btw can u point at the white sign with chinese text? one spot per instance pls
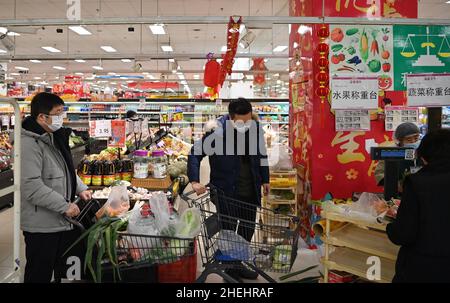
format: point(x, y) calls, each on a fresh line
point(354, 92)
point(352, 120)
point(426, 90)
point(100, 128)
point(396, 115)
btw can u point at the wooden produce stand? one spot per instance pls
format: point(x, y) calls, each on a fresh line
point(282, 181)
point(353, 244)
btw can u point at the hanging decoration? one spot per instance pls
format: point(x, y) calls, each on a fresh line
point(322, 77)
point(259, 78)
point(227, 63)
point(212, 72)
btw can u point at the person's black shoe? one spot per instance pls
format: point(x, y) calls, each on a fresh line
point(246, 273)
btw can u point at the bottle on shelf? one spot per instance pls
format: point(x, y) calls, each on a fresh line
point(85, 171)
point(109, 173)
point(127, 170)
point(118, 169)
point(97, 173)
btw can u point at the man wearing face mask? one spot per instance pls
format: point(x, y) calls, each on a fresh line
point(406, 135)
point(238, 165)
point(49, 184)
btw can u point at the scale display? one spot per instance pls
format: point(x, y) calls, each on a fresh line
point(392, 153)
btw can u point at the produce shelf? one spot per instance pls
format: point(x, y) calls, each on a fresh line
point(369, 241)
point(279, 201)
point(355, 262)
point(333, 216)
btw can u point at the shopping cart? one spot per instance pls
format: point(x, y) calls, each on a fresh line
point(236, 234)
point(140, 258)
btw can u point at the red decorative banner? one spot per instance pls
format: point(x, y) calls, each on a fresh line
point(232, 44)
point(258, 65)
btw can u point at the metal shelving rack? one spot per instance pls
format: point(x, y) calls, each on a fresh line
point(14, 276)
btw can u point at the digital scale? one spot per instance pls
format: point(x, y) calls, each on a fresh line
point(392, 156)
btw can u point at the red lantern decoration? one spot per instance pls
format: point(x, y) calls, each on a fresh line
point(323, 32)
point(322, 92)
point(211, 74)
point(323, 62)
point(322, 76)
point(323, 48)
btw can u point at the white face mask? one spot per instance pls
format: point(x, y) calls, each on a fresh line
point(57, 122)
point(241, 126)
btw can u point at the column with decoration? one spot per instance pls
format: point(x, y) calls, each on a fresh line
point(333, 163)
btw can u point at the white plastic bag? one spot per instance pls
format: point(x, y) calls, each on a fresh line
point(233, 245)
point(370, 204)
point(117, 204)
point(280, 157)
point(160, 208)
point(189, 223)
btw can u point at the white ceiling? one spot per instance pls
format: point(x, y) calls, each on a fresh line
point(193, 41)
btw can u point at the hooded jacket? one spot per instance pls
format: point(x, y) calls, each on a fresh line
point(225, 162)
point(46, 185)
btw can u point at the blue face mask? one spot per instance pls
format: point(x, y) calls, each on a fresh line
point(412, 145)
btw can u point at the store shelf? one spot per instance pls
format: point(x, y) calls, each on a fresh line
point(355, 262)
point(96, 112)
point(333, 216)
point(278, 201)
point(369, 241)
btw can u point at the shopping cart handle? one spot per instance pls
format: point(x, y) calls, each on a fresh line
point(74, 222)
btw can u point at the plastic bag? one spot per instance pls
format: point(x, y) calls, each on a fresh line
point(233, 245)
point(280, 157)
point(370, 204)
point(117, 204)
point(141, 222)
point(161, 210)
point(189, 223)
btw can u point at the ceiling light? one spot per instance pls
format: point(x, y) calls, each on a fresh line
point(108, 49)
point(248, 39)
point(196, 76)
point(57, 77)
point(79, 74)
point(167, 48)
point(174, 71)
point(59, 67)
point(157, 29)
point(80, 60)
point(130, 81)
point(21, 68)
point(276, 75)
point(14, 74)
point(97, 67)
point(145, 73)
point(126, 60)
point(80, 30)
point(51, 49)
point(181, 77)
point(35, 61)
point(224, 48)
point(113, 83)
point(13, 34)
point(112, 73)
point(448, 2)
point(37, 78)
point(151, 76)
point(2, 51)
point(280, 48)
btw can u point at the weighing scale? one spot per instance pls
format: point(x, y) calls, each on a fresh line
point(392, 156)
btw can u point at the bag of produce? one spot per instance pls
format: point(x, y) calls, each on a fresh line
point(189, 223)
point(161, 210)
point(280, 157)
point(117, 204)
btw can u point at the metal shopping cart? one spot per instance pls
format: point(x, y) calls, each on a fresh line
point(134, 258)
point(236, 234)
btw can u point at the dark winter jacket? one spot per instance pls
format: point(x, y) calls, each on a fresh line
point(225, 162)
point(422, 226)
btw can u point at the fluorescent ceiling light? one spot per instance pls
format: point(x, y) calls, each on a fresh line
point(112, 73)
point(224, 48)
point(174, 71)
point(80, 30)
point(145, 73)
point(97, 67)
point(172, 60)
point(130, 81)
point(113, 83)
point(196, 76)
point(151, 76)
point(37, 78)
point(14, 74)
point(157, 29)
point(280, 48)
point(80, 60)
point(2, 51)
point(181, 77)
point(448, 2)
point(59, 67)
point(51, 49)
point(35, 61)
point(108, 49)
point(21, 68)
point(126, 60)
point(57, 77)
point(13, 34)
point(79, 74)
point(167, 48)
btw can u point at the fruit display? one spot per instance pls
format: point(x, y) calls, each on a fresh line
point(5, 151)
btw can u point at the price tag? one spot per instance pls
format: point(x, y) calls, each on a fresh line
point(5, 120)
point(13, 120)
point(118, 134)
point(100, 128)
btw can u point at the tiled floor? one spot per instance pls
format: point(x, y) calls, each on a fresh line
point(305, 257)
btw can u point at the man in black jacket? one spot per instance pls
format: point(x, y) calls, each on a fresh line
point(423, 220)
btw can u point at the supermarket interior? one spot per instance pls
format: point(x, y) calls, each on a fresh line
point(176, 141)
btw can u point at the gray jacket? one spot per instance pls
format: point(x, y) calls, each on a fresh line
point(45, 185)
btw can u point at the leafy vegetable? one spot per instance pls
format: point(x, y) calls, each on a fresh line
point(374, 66)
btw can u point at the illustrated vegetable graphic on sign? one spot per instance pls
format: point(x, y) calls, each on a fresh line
point(362, 49)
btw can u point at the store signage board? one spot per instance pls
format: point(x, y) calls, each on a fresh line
point(352, 120)
point(428, 90)
point(118, 135)
point(396, 115)
point(100, 128)
point(354, 92)
point(419, 50)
